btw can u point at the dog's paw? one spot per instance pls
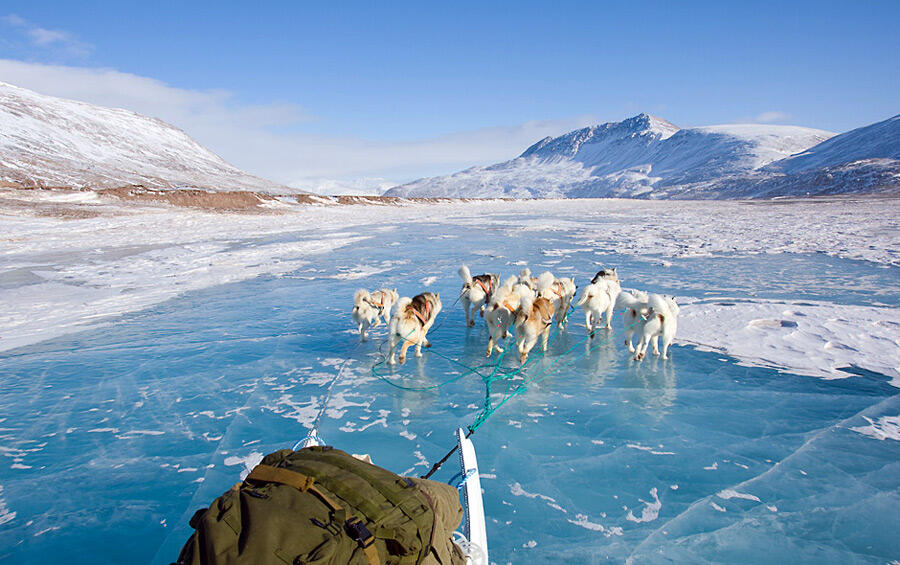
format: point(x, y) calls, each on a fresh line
point(403, 359)
point(427, 344)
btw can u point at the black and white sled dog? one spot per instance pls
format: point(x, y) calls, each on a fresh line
point(606, 274)
point(369, 308)
point(412, 319)
point(559, 292)
point(476, 292)
point(500, 312)
point(598, 300)
point(661, 322)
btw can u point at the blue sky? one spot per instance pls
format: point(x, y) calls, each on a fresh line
point(423, 88)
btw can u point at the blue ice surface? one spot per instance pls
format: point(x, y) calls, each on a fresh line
point(113, 437)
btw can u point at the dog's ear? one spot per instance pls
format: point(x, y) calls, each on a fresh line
point(438, 295)
point(614, 269)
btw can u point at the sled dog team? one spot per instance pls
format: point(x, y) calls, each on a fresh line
point(527, 304)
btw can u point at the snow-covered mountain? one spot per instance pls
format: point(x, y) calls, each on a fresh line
point(866, 159)
point(47, 141)
point(648, 157)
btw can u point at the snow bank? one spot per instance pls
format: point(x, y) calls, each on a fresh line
point(815, 339)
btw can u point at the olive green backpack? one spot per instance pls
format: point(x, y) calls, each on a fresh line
point(322, 506)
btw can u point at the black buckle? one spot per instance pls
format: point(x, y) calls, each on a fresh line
point(359, 532)
point(331, 527)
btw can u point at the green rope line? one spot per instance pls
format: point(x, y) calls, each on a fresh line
point(540, 376)
point(498, 372)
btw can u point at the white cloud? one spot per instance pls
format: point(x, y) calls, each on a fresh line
point(771, 116)
point(52, 39)
point(245, 134)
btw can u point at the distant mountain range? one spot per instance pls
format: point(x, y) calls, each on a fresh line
point(47, 141)
point(648, 157)
point(50, 142)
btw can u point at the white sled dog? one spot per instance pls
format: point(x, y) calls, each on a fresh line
point(369, 308)
point(501, 311)
point(635, 310)
point(533, 318)
point(661, 321)
point(598, 300)
point(476, 292)
point(526, 279)
point(559, 292)
point(412, 319)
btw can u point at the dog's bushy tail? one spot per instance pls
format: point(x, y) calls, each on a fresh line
point(662, 305)
point(585, 294)
point(402, 303)
point(525, 304)
point(545, 281)
point(628, 299)
point(465, 274)
point(525, 276)
point(359, 296)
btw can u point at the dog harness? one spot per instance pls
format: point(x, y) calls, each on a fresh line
point(486, 289)
point(419, 316)
point(555, 288)
point(379, 305)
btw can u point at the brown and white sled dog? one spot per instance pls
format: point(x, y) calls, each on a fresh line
point(476, 292)
point(368, 308)
point(661, 322)
point(635, 309)
point(533, 319)
point(500, 312)
point(598, 300)
point(559, 292)
point(412, 319)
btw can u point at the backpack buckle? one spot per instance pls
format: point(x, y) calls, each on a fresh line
point(359, 532)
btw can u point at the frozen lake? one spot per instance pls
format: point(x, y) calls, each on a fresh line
point(114, 436)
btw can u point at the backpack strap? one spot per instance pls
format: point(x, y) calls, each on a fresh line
point(357, 530)
point(270, 474)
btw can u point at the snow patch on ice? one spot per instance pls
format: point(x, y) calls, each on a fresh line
point(728, 494)
point(6, 515)
point(249, 461)
point(583, 521)
point(650, 511)
point(814, 339)
point(886, 427)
